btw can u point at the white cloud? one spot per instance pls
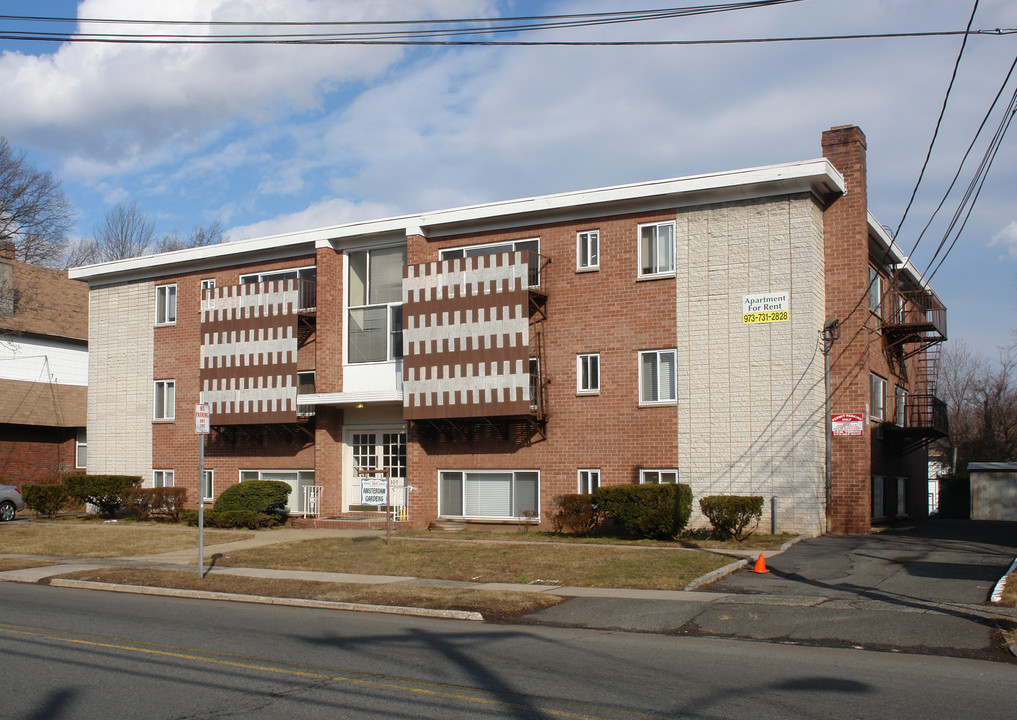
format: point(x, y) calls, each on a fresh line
point(1007, 237)
point(334, 211)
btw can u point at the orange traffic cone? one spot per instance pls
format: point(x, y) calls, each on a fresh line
point(760, 566)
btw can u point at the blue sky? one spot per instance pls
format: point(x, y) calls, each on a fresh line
point(271, 139)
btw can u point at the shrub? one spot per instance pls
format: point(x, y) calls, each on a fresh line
point(159, 502)
point(651, 511)
point(46, 499)
point(730, 514)
point(102, 491)
point(575, 514)
point(259, 496)
point(230, 519)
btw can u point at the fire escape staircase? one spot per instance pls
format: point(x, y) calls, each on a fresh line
point(916, 329)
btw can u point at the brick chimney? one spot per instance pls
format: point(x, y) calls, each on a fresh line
point(6, 278)
point(846, 238)
point(6, 249)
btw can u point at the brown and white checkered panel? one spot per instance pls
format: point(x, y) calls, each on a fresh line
point(249, 353)
point(466, 338)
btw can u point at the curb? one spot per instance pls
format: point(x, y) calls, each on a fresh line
point(264, 600)
point(717, 574)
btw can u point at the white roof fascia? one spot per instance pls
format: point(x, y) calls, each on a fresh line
point(365, 397)
point(817, 176)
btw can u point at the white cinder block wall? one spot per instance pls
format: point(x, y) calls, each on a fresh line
point(121, 400)
point(750, 396)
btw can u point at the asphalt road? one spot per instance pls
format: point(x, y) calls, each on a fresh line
point(85, 654)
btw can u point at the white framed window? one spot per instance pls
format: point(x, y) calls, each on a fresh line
point(656, 249)
point(877, 397)
point(208, 485)
point(162, 478)
point(165, 304)
point(588, 373)
point(207, 288)
point(589, 480)
point(658, 476)
point(305, 386)
point(81, 449)
point(900, 416)
point(502, 494)
point(527, 244)
point(165, 399)
point(379, 449)
point(658, 377)
point(296, 479)
point(374, 296)
point(588, 250)
point(875, 291)
point(534, 383)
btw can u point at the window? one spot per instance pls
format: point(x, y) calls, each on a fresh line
point(377, 450)
point(207, 301)
point(658, 376)
point(656, 249)
point(878, 507)
point(875, 292)
point(668, 476)
point(877, 398)
point(165, 304)
point(588, 373)
point(162, 478)
point(589, 480)
point(900, 416)
point(535, 385)
point(305, 386)
point(296, 479)
point(508, 494)
point(81, 449)
point(207, 485)
point(306, 275)
point(531, 244)
point(588, 250)
point(374, 298)
point(165, 401)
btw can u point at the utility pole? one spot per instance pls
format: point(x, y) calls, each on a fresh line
point(831, 332)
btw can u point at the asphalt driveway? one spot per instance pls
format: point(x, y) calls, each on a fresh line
point(935, 562)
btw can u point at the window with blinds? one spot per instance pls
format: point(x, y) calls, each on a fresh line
point(502, 494)
point(374, 299)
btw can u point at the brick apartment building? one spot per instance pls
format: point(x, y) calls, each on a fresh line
point(493, 357)
point(43, 371)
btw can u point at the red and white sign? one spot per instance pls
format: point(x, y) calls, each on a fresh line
point(845, 424)
point(202, 418)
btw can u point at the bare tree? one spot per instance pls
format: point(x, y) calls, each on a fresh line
point(200, 236)
point(124, 232)
point(34, 211)
point(982, 401)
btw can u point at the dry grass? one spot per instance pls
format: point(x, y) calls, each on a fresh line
point(1010, 591)
point(491, 604)
point(20, 564)
point(689, 539)
point(89, 540)
point(511, 562)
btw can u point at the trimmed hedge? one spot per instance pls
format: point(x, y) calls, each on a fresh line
point(730, 514)
point(230, 519)
point(102, 491)
point(576, 514)
point(651, 511)
point(48, 499)
point(258, 496)
point(160, 502)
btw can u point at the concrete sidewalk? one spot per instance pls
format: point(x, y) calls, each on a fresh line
point(912, 591)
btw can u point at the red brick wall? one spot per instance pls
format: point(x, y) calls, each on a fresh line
point(328, 378)
point(177, 357)
point(608, 312)
point(30, 454)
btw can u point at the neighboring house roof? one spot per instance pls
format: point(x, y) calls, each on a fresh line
point(42, 403)
point(1002, 466)
point(47, 302)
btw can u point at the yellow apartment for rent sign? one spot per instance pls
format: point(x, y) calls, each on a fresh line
point(765, 308)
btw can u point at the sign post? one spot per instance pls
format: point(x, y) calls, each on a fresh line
point(202, 426)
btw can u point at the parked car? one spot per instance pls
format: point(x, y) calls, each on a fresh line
point(10, 502)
